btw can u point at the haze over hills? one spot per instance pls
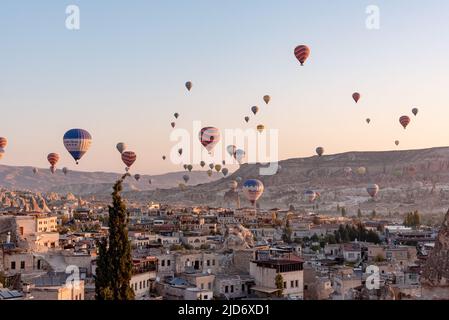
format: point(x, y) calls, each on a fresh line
point(87, 183)
point(410, 179)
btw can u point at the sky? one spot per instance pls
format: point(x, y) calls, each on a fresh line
point(121, 75)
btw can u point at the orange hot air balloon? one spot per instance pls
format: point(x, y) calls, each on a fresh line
point(3, 142)
point(302, 52)
point(53, 158)
point(405, 121)
point(356, 96)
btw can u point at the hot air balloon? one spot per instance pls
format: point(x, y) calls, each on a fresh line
point(211, 166)
point(65, 170)
point(176, 115)
point(185, 167)
point(185, 178)
point(404, 120)
point(311, 195)
point(396, 142)
point(189, 167)
point(53, 158)
point(149, 181)
point(267, 99)
point(368, 120)
point(356, 96)
point(253, 190)
point(77, 142)
point(209, 137)
point(189, 85)
point(415, 111)
point(223, 162)
point(2, 153)
point(35, 170)
point(255, 109)
point(3, 142)
point(128, 157)
point(52, 169)
point(347, 170)
point(319, 151)
point(246, 119)
point(361, 171)
point(233, 185)
point(164, 157)
point(202, 164)
point(225, 171)
point(231, 149)
point(209, 173)
point(239, 155)
point(260, 128)
point(238, 179)
point(137, 177)
point(372, 190)
point(218, 167)
point(302, 52)
point(180, 151)
point(173, 124)
point(121, 146)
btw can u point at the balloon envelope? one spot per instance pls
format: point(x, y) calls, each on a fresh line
point(255, 109)
point(302, 52)
point(404, 120)
point(121, 146)
point(231, 149)
point(356, 96)
point(311, 195)
point(77, 142)
point(319, 151)
point(202, 164)
point(246, 118)
point(3, 142)
point(266, 98)
point(239, 155)
point(186, 178)
point(65, 170)
point(189, 85)
point(209, 137)
point(372, 190)
point(225, 171)
point(253, 190)
point(128, 158)
point(415, 111)
point(53, 158)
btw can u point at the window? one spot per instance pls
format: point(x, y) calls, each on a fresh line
point(22, 264)
point(202, 286)
point(292, 284)
point(13, 265)
point(168, 263)
point(232, 289)
point(208, 263)
point(243, 287)
point(305, 287)
point(140, 285)
point(226, 289)
point(285, 284)
point(213, 262)
point(296, 283)
point(209, 285)
point(163, 263)
point(205, 297)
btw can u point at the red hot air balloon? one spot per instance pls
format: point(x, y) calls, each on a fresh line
point(404, 120)
point(53, 158)
point(356, 96)
point(209, 137)
point(302, 52)
point(128, 157)
point(3, 142)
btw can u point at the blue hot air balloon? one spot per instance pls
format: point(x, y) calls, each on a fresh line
point(77, 142)
point(253, 189)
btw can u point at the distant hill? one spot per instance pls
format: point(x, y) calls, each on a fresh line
point(86, 183)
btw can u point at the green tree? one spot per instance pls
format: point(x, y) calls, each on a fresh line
point(359, 213)
point(279, 282)
point(343, 212)
point(114, 263)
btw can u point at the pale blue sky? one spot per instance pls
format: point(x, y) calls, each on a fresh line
point(122, 75)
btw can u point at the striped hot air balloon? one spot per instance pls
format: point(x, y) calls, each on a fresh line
point(128, 157)
point(404, 120)
point(356, 96)
point(260, 128)
point(209, 137)
point(53, 158)
point(3, 142)
point(372, 190)
point(253, 190)
point(77, 142)
point(302, 52)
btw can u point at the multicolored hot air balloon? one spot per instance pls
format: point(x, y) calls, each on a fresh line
point(3, 142)
point(218, 167)
point(253, 190)
point(225, 171)
point(356, 96)
point(319, 151)
point(53, 158)
point(77, 142)
point(404, 121)
point(246, 119)
point(415, 111)
point(190, 167)
point(137, 177)
point(65, 170)
point(176, 115)
point(266, 98)
point(302, 52)
point(260, 128)
point(231, 149)
point(372, 190)
point(310, 195)
point(186, 178)
point(128, 158)
point(209, 137)
point(202, 164)
point(189, 85)
point(255, 109)
point(239, 155)
point(121, 146)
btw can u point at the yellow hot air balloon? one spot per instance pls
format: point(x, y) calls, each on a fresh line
point(218, 167)
point(260, 128)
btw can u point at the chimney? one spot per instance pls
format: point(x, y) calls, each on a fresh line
point(8, 237)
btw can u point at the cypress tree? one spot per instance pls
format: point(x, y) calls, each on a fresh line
point(114, 263)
